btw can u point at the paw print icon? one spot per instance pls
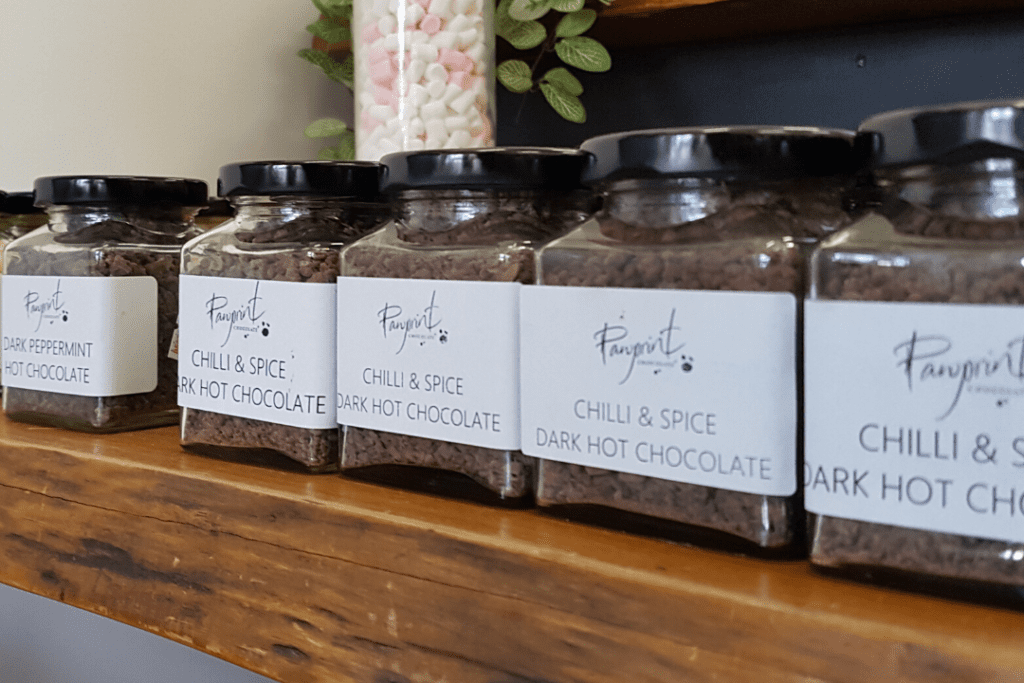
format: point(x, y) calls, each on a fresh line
point(265, 329)
point(686, 364)
point(443, 337)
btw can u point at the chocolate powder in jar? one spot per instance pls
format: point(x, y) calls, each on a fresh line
point(497, 245)
point(733, 249)
point(308, 251)
point(956, 276)
point(110, 248)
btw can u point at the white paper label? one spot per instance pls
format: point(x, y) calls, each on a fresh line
point(915, 415)
point(260, 349)
point(431, 358)
point(86, 336)
point(696, 387)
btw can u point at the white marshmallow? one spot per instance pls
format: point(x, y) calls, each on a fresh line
point(436, 72)
point(393, 125)
point(433, 110)
point(459, 23)
point(436, 129)
point(416, 128)
point(463, 102)
point(413, 14)
point(393, 5)
point(451, 91)
point(419, 38)
point(418, 95)
point(478, 53)
point(460, 138)
point(392, 42)
point(387, 25)
point(415, 145)
point(441, 8)
point(435, 88)
point(414, 74)
point(425, 51)
point(444, 39)
point(381, 112)
point(454, 123)
point(468, 37)
point(387, 146)
point(461, 7)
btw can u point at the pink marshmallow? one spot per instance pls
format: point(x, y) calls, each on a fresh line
point(378, 54)
point(383, 95)
point(462, 79)
point(383, 72)
point(458, 61)
point(423, 3)
point(431, 24)
point(368, 122)
point(370, 34)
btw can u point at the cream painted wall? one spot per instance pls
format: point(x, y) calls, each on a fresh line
point(155, 88)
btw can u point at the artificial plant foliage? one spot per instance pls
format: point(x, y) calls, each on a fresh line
point(516, 22)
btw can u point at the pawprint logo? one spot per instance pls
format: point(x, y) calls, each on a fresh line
point(686, 364)
point(443, 336)
point(64, 316)
point(265, 329)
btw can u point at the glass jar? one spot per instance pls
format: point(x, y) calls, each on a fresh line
point(90, 305)
point(660, 358)
point(257, 375)
point(424, 75)
point(18, 216)
point(428, 342)
point(914, 378)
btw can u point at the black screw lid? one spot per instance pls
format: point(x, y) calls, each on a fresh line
point(18, 203)
point(492, 168)
point(727, 152)
point(947, 134)
point(358, 180)
point(119, 190)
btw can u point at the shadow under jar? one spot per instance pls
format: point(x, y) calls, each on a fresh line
point(259, 312)
point(669, 405)
point(914, 351)
point(92, 303)
point(429, 315)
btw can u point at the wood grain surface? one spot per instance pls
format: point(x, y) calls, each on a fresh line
point(316, 578)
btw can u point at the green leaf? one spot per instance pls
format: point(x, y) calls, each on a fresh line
point(326, 128)
point(515, 75)
point(566, 105)
point(561, 77)
point(330, 31)
point(525, 35)
point(347, 145)
point(341, 72)
point(575, 23)
point(346, 71)
point(583, 53)
point(528, 10)
point(337, 9)
point(566, 5)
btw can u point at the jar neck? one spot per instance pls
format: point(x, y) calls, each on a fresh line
point(688, 209)
point(284, 208)
point(156, 219)
point(990, 190)
point(490, 215)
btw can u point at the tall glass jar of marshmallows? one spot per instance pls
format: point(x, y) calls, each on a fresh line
point(660, 353)
point(914, 352)
point(258, 311)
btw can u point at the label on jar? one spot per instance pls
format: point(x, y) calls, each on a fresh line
point(430, 358)
point(689, 386)
point(915, 415)
point(260, 349)
point(84, 336)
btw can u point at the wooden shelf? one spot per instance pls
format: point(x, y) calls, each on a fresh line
point(316, 578)
point(637, 23)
